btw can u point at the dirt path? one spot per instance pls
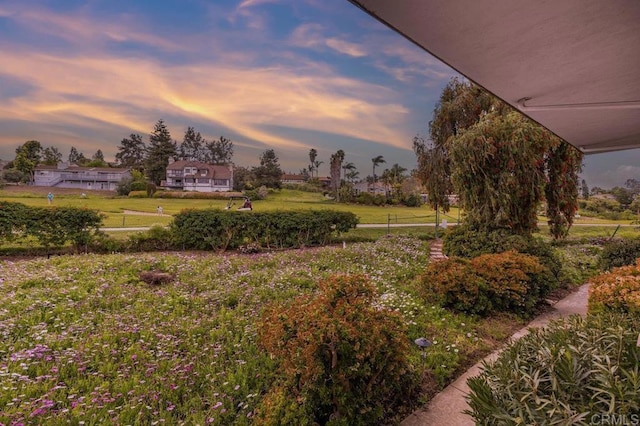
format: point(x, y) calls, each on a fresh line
point(138, 213)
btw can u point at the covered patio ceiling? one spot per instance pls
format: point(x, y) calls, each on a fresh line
point(571, 65)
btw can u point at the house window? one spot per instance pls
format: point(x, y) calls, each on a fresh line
point(203, 180)
point(221, 182)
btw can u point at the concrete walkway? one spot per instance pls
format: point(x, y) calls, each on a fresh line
point(446, 407)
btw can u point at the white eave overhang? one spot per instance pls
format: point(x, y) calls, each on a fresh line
point(571, 65)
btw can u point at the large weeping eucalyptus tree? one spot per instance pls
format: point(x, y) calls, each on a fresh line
point(501, 164)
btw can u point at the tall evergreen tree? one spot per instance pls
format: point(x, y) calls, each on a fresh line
point(131, 152)
point(76, 157)
point(219, 151)
point(193, 146)
point(160, 150)
point(98, 155)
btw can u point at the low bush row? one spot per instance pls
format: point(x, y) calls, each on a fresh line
point(508, 281)
point(51, 227)
point(213, 229)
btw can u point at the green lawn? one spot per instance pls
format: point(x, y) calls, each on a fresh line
point(114, 207)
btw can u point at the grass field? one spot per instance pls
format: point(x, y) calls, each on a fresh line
point(114, 209)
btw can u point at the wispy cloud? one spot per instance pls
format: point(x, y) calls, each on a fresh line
point(79, 30)
point(246, 80)
point(251, 3)
point(107, 89)
point(308, 35)
point(314, 36)
point(342, 46)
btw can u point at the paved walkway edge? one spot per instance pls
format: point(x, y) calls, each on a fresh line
point(447, 406)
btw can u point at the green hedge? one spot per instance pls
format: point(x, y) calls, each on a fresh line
point(618, 253)
point(51, 226)
point(221, 230)
point(12, 220)
point(573, 372)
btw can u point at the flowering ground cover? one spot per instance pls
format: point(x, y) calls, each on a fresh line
point(84, 341)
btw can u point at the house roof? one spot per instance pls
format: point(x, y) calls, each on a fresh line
point(76, 168)
point(218, 171)
point(570, 65)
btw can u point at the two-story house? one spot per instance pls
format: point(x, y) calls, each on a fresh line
point(71, 176)
point(197, 176)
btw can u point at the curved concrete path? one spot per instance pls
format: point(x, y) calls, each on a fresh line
point(447, 406)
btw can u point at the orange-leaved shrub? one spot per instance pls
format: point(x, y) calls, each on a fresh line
point(508, 281)
point(616, 290)
point(343, 360)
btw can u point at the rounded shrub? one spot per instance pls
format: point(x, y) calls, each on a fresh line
point(619, 253)
point(465, 242)
point(617, 290)
point(138, 186)
point(343, 361)
point(454, 284)
point(507, 281)
point(572, 372)
point(412, 200)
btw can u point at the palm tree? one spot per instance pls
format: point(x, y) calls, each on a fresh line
point(347, 166)
point(397, 174)
point(316, 167)
point(376, 162)
point(336, 166)
point(312, 159)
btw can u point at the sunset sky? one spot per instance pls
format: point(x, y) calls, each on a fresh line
point(284, 74)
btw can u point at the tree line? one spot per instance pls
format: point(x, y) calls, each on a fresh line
point(149, 161)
